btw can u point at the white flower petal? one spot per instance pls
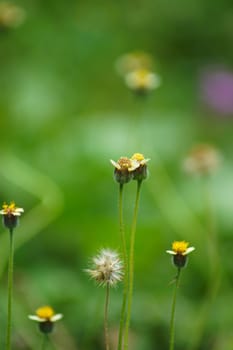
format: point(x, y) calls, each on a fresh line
point(189, 250)
point(134, 165)
point(36, 318)
point(56, 317)
point(170, 252)
point(144, 161)
point(115, 164)
point(19, 210)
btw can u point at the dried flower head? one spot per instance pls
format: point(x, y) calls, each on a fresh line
point(11, 15)
point(124, 168)
point(46, 317)
point(10, 215)
point(142, 80)
point(107, 268)
point(202, 159)
point(180, 250)
point(141, 172)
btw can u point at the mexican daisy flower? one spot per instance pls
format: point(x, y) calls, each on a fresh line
point(46, 317)
point(10, 215)
point(142, 81)
point(180, 250)
point(124, 168)
point(140, 173)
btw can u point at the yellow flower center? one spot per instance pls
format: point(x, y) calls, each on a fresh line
point(124, 163)
point(138, 156)
point(142, 77)
point(180, 247)
point(45, 312)
point(8, 209)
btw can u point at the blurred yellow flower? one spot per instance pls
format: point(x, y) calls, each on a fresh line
point(11, 209)
point(11, 15)
point(46, 317)
point(142, 80)
point(45, 313)
point(180, 247)
point(10, 215)
point(180, 250)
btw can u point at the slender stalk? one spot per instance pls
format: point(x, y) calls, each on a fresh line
point(106, 334)
point(126, 268)
point(131, 265)
point(45, 341)
point(10, 290)
point(172, 321)
point(214, 264)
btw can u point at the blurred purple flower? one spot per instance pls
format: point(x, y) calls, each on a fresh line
point(216, 88)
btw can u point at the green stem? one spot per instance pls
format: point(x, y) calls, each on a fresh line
point(172, 323)
point(126, 269)
point(10, 290)
point(45, 341)
point(214, 264)
point(106, 334)
point(131, 265)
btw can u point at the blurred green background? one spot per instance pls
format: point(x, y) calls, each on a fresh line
point(64, 112)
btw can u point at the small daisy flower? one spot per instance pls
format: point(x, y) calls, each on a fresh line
point(142, 80)
point(140, 173)
point(202, 159)
point(180, 250)
point(46, 317)
point(124, 168)
point(107, 268)
point(10, 215)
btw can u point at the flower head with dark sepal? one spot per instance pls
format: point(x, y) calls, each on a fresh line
point(124, 169)
point(141, 172)
point(10, 215)
point(180, 250)
point(46, 317)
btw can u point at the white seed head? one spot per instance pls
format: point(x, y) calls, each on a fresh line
point(107, 268)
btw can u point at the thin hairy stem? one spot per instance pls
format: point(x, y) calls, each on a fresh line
point(131, 265)
point(126, 268)
point(10, 291)
point(172, 321)
point(106, 307)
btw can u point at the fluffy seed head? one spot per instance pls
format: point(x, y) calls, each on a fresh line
point(107, 268)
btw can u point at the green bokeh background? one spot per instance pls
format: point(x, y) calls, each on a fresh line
point(64, 112)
